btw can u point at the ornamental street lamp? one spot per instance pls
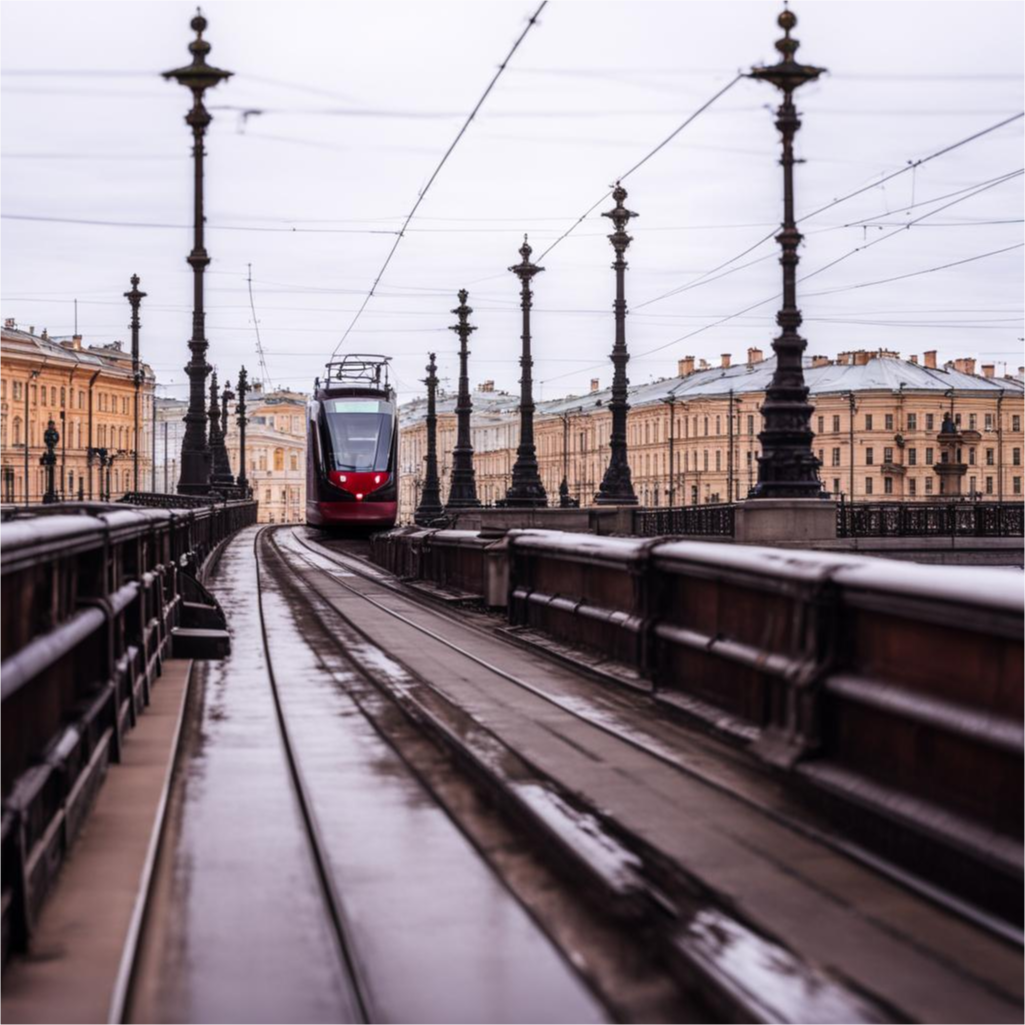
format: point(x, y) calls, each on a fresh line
point(462, 493)
point(616, 486)
point(48, 460)
point(198, 77)
point(241, 419)
point(526, 489)
point(787, 467)
point(430, 507)
point(135, 297)
point(565, 500)
point(219, 453)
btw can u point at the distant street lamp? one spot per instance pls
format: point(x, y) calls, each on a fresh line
point(616, 486)
point(430, 508)
point(526, 489)
point(48, 460)
point(787, 467)
point(462, 493)
point(198, 77)
point(241, 419)
point(565, 501)
point(135, 297)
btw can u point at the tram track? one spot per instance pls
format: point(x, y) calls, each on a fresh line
point(634, 883)
point(794, 819)
point(318, 850)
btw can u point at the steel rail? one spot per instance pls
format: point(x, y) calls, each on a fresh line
point(317, 846)
point(990, 923)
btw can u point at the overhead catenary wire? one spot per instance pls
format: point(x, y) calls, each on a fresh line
point(910, 166)
point(640, 163)
point(423, 192)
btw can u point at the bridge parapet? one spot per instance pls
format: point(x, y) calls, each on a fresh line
point(888, 694)
point(94, 598)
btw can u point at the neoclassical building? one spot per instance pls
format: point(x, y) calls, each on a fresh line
point(275, 453)
point(693, 438)
point(88, 392)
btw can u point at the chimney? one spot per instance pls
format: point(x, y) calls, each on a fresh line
point(843, 359)
point(988, 369)
point(32, 329)
point(913, 359)
point(486, 386)
point(9, 323)
point(595, 385)
point(685, 366)
point(968, 364)
point(861, 358)
point(45, 335)
point(930, 359)
point(820, 361)
point(725, 360)
point(703, 365)
point(754, 356)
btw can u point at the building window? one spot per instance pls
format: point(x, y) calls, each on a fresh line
point(888, 485)
point(957, 419)
point(912, 487)
point(836, 485)
point(888, 421)
point(294, 461)
point(17, 430)
point(989, 456)
point(718, 460)
point(912, 421)
point(16, 387)
point(989, 421)
point(869, 457)
point(868, 485)
point(1017, 485)
point(751, 425)
point(930, 422)
point(887, 455)
point(1015, 422)
point(836, 457)
point(971, 456)
point(973, 421)
point(836, 425)
point(928, 457)
point(912, 457)
point(822, 425)
point(868, 421)
point(971, 485)
point(706, 459)
point(34, 395)
point(989, 485)
point(1016, 456)
point(928, 485)
point(706, 426)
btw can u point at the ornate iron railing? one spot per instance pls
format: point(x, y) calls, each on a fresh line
point(709, 520)
point(922, 519)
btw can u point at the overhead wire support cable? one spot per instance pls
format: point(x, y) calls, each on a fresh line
point(640, 163)
point(423, 192)
point(267, 383)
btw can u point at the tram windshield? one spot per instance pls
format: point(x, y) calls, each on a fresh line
point(360, 434)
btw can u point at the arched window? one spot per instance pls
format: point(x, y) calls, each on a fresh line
point(17, 430)
point(279, 459)
point(64, 396)
point(53, 396)
point(42, 396)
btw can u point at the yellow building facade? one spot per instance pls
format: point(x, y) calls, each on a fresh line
point(89, 393)
point(693, 438)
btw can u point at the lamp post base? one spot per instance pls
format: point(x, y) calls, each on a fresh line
point(771, 520)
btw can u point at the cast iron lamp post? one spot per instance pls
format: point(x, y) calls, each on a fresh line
point(135, 297)
point(198, 77)
point(616, 486)
point(221, 467)
point(241, 419)
point(48, 460)
point(430, 507)
point(787, 467)
point(526, 489)
point(462, 493)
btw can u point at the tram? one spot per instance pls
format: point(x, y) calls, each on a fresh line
point(352, 446)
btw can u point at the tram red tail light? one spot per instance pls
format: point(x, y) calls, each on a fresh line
point(359, 485)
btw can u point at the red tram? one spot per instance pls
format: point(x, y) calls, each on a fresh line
point(352, 446)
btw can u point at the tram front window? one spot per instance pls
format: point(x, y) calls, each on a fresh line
point(360, 434)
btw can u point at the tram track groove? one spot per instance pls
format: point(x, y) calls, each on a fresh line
point(1003, 930)
point(655, 891)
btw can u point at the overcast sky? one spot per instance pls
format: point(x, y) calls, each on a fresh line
point(358, 101)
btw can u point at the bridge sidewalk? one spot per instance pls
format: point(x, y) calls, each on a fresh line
point(72, 970)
